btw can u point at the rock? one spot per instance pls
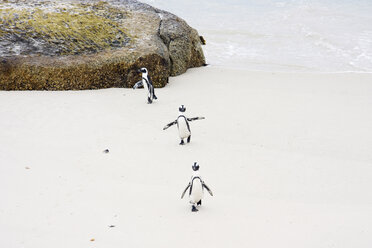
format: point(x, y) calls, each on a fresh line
point(91, 44)
point(202, 40)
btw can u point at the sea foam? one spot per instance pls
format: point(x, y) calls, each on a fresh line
point(312, 35)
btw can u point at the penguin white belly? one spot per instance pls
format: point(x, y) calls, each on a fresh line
point(196, 192)
point(183, 129)
point(146, 87)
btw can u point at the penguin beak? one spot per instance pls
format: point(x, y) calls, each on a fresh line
point(139, 70)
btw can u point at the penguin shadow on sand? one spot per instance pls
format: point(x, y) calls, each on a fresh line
point(196, 188)
point(183, 125)
point(146, 83)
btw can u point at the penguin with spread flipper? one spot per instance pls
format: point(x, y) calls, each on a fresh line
point(147, 84)
point(196, 188)
point(183, 125)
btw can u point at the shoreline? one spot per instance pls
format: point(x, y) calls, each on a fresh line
point(282, 71)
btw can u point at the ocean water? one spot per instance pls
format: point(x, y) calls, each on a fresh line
point(281, 35)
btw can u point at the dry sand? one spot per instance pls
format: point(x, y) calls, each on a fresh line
point(288, 157)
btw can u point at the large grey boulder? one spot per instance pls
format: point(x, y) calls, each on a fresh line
point(90, 44)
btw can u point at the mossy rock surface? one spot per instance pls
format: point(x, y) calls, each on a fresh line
point(71, 44)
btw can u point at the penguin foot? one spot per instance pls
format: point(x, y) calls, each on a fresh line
point(189, 139)
point(155, 97)
point(194, 209)
point(182, 143)
point(149, 101)
point(199, 203)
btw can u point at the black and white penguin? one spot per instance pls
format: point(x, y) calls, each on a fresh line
point(147, 84)
point(183, 125)
point(196, 188)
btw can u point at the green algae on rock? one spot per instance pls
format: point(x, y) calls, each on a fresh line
point(81, 28)
point(91, 44)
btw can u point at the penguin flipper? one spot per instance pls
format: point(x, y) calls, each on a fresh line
point(170, 124)
point(207, 188)
point(153, 92)
point(195, 118)
point(183, 194)
point(150, 81)
point(138, 84)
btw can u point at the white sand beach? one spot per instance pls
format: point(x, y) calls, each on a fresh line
point(287, 155)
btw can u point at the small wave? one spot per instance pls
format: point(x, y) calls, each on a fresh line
point(322, 36)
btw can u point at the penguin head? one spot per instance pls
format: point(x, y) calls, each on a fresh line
point(195, 166)
point(182, 109)
point(143, 70)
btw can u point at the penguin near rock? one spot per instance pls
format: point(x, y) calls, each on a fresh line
point(196, 188)
point(147, 84)
point(183, 125)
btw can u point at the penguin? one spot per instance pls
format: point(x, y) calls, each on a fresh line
point(183, 125)
point(146, 83)
point(196, 188)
